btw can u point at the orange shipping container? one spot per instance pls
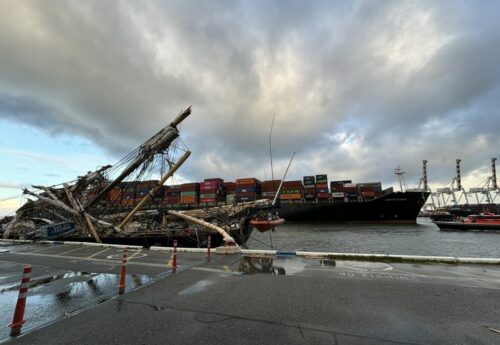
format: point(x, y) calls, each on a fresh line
point(248, 180)
point(296, 196)
point(127, 202)
point(188, 199)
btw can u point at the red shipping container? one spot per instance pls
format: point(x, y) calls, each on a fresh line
point(208, 200)
point(323, 195)
point(229, 186)
point(215, 179)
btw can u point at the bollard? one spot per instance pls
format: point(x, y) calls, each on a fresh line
point(209, 243)
point(18, 321)
point(174, 257)
point(123, 273)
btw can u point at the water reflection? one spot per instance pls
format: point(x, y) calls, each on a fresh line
point(254, 264)
point(53, 297)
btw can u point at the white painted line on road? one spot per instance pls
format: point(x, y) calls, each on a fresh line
point(136, 254)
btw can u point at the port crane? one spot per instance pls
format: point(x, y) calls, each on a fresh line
point(489, 191)
point(454, 187)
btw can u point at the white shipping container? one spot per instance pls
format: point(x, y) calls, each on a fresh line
point(337, 195)
point(230, 198)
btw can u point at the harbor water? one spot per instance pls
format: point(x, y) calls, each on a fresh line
point(423, 238)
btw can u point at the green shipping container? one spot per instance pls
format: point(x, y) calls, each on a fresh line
point(208, 196)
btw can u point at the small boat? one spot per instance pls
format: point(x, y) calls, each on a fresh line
point(482, 221)
point(270, 223)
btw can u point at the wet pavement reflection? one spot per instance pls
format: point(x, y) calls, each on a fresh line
point(255, 264)
point(56, 296)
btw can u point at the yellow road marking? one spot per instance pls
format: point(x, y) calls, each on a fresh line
point(39, 250)
point(71, 250)
point(100, 252)
point(134, 255)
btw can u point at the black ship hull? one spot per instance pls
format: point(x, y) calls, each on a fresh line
point(465, 210)
point(185, 237)
point(461, 226)
point(396, 207)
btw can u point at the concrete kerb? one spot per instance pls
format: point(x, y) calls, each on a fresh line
point(184, 250)
point(399, 258)
point(351, 256)
point(304, 254)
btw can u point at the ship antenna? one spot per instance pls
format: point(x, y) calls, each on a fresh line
point(401, 177)
point(270, 147)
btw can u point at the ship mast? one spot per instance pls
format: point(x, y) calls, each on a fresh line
point(156, 144)
point(401, 178)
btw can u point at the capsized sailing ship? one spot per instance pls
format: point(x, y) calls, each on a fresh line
point(76, 211)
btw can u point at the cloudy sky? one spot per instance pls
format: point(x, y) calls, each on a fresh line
point(357, 87)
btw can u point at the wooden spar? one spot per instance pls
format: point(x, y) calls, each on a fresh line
point(77, 206)
point(10, 225)
point(110, 217)
point(225, 235)
point(151, 193)
point(46, 190)
point(158, 142)
point(63, 206)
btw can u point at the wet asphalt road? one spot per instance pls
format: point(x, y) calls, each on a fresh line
point(68, 278)
point(234, 300)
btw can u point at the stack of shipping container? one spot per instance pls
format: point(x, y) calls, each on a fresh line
point(172, 196)
point(369, 190)
point(214, 190)
point(346, 187)
point(190, 193)
point(291, 191)
point(142, 189)
point(229, 189)
point(211, 191)
point(337, 189)
point(115, 195)
point(309, 188)
point(247, 189)
point(128, 193)
point(269, 189)
point(322, 192)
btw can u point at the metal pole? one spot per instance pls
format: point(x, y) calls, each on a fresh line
point(283, 180)
point(174, 257)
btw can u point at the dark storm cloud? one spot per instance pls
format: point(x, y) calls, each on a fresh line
point(357, 87)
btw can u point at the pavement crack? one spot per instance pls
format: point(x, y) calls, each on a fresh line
point(301, 328)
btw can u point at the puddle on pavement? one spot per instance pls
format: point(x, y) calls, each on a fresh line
point(53, 297)
point(255, 264)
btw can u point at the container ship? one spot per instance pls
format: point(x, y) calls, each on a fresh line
point(117, 204)
point(312, 199)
